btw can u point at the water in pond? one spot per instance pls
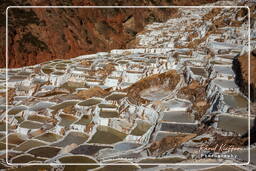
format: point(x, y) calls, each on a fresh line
point(60, 69)
point(17, 78)
point(66, 120)
point(124, 146)
point(178, 127)
point(198, 71)
point(178, 116)
point(2, 126)
point(105, 131)
point(47, 70)
point(63, 105)
point(72, 86)
point(88, 149)
point(162, 134)
point(25, 159)
point(109, 113)
point(29, 144)
point(72, 137)
point(233, 123)
point(85, 119)
point(14, 139)
point(141, 128)
point(3, 146)
point(58, 73)
point(46, 152)
point(41, 105)
point(116, 96)
point(49, 137)
point(78, 159)
point(105, 105)
point(30, 125)
point(90, 102)
point(176, 104)
point(235, 100)
point(38, 118)
point(154, 93)
point(17, 109)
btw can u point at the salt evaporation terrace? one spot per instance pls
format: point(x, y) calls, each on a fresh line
point(118, 106)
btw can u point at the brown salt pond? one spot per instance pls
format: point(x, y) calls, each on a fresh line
point(14, 139)
point(49, 137)
point(16, 109)
point(105, 131)
point(90, 102)
point(72, 138)
point(30, 125)
point(235, 100)
point(72, 86)
point(64, 104)
point(58, 73)
point(109, 113)
point(199, 71)
point(116, 96)
point(141, 128)
point(66, 120)
point(106, 105)
point(78, 159)
point(29, 144)
point(45, 152)
point(88, 149)
point(178, 116)
point(84, 120)
point(38, 118)
point(124, 146)
point(47, 70)
point(3, 146)
point(233, 123)
point(25, 158)
point(178, 127)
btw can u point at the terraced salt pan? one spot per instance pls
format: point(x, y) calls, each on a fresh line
point(178, 116)
point(237, 124)
point(154, 93)
point(129, 127)
point(112, 134)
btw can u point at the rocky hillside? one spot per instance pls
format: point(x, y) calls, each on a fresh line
point(39, 35)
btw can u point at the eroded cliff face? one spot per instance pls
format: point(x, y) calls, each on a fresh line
point(39, 35)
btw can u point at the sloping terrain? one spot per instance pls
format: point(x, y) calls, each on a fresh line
point(171, 98)
point(35, 36)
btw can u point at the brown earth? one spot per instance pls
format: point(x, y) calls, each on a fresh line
point(39, 35)
point(195, 92)
point(170, 79)
point(92, 92)
point(228, 141)
point(169, 142)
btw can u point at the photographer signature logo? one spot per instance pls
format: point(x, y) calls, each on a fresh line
point(218, 151)
point(220, 148)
